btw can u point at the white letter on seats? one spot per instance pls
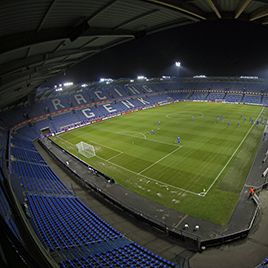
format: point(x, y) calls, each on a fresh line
point(87, 113)
point(118, 92)
point(134, 90)
point(109, 108)
point(57, 105)
point(143, 101)
point(128, 104)
point(97, 93)
point(147, 88)
point(80, 99)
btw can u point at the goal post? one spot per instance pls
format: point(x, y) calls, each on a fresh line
point(85, 149)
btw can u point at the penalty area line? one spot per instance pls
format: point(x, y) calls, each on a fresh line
point(147, 138)
point(162, 158)
point(92, 141)
point(240, 144)
point(149, 178)
point(73, 145)
point(132, 134)
point(114, 156)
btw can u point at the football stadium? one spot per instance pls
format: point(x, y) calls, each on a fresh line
point(136, 170)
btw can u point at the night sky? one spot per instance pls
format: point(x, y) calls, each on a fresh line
point(219, 48)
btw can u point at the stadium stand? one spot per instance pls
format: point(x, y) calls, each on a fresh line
point(233, 97)
point(64, 224)
point(216, 96)
point(252, 99)
point(199, 96)
point(26, 155)
point(57, 107)
point(5, 210)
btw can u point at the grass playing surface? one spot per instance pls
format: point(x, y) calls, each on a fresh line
point(202, 177)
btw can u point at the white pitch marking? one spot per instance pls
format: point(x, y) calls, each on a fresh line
point(66, 141)
point(103, 145)
point(233, 154)
point(152, 140)
point(132, 135)
point(161, 159)
point(149, 178)
point(184, 113)
point(115, 156)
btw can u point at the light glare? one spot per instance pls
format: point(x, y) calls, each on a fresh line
point(141, 77)
point(68, 84)
point(178, 64)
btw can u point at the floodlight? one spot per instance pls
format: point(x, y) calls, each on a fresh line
point(177, 64)
point(141, 77)
point(67, 84)
point(165, 77)
point(200, 76)
point(109, 80)
point(248, 77)
point(84, 85)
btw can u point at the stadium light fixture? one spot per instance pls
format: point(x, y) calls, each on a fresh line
point(106, 80)
point(200, 76)
point(141, 77)
point(131, 80)
point(165, 77)
point(248, 77)
point(68, 84)
point(177, 64)
point(84, 85)
point(59, 89)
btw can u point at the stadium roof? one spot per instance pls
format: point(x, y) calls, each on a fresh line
point(40, 39)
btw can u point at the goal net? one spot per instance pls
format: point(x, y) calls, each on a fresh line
point(85, 149)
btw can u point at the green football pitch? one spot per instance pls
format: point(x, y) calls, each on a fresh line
point(202, 177)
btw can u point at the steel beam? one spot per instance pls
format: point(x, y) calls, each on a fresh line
point(242, 6)
point(25, 39)
point(213, 6)
point(182, 9)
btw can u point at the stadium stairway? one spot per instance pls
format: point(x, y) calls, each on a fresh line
point(261, 99)
point(190, 95)
point(243, 98)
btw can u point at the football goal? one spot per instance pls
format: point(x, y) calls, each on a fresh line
point(85, 149)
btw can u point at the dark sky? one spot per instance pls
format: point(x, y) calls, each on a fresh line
point(219, 48)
